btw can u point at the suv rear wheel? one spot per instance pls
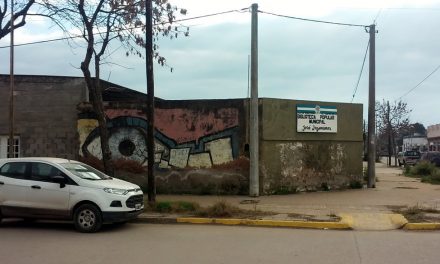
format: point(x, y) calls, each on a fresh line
point(87, 218)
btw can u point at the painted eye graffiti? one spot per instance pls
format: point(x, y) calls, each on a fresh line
point(128, 143)
point(199, 149)
point(127, 140)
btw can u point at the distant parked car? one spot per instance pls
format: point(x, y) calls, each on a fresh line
point(51, 188)
point(431, 156)
point(409, 157)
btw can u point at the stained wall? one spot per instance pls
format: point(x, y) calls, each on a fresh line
point(291, 161)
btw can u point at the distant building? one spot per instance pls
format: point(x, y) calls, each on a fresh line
point(434, 137)
point(415, 142)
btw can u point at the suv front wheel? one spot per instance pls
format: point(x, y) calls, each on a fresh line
point(87, 218)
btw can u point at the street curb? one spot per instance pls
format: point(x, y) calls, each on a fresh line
point(265, 223)
point(346, 222)
point(422, 226)
point(245, 222)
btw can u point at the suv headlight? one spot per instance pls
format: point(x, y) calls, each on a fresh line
point(116, 191)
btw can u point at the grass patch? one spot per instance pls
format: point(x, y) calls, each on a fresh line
point(418, 214)
point(173, 207)
point(311, 218)
point(427, 172)
point(221, 209)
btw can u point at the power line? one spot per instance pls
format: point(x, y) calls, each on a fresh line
point(210, 15)
point(313, 20)
point(163, 23)
point(412, 89)
point(377, 16)
point(360, 74)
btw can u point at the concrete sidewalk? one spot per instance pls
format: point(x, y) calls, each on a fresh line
point(367, 209)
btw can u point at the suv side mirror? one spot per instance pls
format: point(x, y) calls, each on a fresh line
point(59, 179)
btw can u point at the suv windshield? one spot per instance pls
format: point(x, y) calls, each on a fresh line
point(85, 171)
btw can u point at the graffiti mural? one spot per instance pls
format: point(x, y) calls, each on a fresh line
point(183, 137)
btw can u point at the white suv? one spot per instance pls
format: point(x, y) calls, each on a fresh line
point(52, 188)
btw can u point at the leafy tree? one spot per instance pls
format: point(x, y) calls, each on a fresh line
point(21, 9)
point(419, 128)
point(392, 120)
point(100, 22)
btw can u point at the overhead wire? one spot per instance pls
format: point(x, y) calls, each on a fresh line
point(360, 74)
point(377, 16)
point(334, 23)
point(412, 89)
point(313, 20)
point(162, 23)
point(365, 58)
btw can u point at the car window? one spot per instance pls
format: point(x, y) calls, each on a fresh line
point(84, 171)
point(412, 153)
point(15, 170)
point(44, 172)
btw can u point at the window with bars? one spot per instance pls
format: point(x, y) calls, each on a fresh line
point(5, 149)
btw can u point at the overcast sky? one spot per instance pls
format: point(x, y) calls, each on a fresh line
point(297, 59)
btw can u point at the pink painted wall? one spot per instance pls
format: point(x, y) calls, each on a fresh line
point(185, 125)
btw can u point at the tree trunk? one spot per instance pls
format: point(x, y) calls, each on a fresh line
point(100, 114)
point(95, 88)
point(96, 98)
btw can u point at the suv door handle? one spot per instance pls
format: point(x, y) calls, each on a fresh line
point(2, 183)
point(35, 187)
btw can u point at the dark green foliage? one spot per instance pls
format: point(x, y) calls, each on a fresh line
point(423, 169)
point(174, 207)
point(356, 185)
point(284, 190)
point(427, 171)
point(325, 187)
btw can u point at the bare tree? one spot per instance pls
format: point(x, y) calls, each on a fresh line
point(392, 122)
point(21, 11)
point(100, 22)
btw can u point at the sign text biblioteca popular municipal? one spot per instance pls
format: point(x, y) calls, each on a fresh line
point(316, 118)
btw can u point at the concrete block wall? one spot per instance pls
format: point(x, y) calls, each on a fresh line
point(45, 114)
point(291, 161)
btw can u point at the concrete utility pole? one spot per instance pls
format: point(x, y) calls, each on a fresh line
point(150, 103)
point(372, 111)
point(254, 186)
point(11, 94)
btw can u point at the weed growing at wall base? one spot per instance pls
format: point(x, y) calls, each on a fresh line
point(219, 209)
point(174, 207)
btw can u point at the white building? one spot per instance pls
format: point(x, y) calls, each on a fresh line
point(416, 142)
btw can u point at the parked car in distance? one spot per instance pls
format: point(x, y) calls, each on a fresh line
point(409, 157)
point(431, 156)
point(52, 188)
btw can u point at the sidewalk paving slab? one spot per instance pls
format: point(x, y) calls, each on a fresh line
point(359, 209)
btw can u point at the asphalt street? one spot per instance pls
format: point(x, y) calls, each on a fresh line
point(49, 243)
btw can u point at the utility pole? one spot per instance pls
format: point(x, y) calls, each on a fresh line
point(150, 99)
point(254, 186)
point(372, 111)
point(11, 94)
point(389, 130)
